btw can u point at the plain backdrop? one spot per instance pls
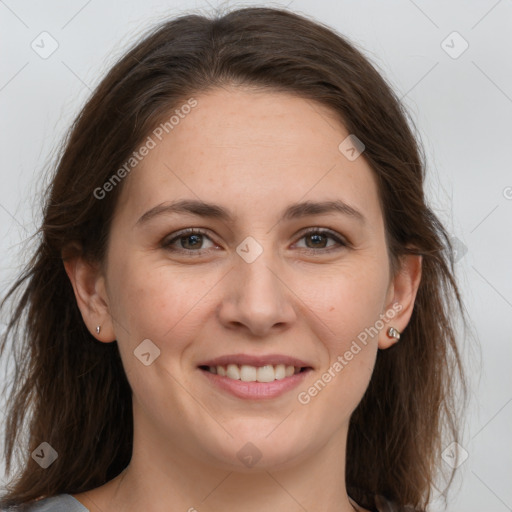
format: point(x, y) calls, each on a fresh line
point(450, 62)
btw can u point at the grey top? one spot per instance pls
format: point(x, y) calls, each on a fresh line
point(59, 503)
point(66, 503)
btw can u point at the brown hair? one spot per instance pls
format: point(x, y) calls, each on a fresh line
point(76, 388)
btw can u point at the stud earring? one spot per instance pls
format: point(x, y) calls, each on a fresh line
point(98, 329)
point(393, 333)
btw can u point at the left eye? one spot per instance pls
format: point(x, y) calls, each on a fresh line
point(319, 237)
point(191, 240)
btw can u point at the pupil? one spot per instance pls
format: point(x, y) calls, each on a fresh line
point(197, 239)
point(317, 237)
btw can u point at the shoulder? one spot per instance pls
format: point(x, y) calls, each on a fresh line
point(59, 503)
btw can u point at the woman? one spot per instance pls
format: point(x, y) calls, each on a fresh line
point(241, 297)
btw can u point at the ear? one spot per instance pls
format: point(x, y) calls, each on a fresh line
point(402, 294)
point(90, 292)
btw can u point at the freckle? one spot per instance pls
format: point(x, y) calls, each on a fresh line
point(332, 307)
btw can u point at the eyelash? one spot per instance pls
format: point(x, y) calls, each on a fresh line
point(166, 244)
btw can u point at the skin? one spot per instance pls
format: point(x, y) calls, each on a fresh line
point(253, 153)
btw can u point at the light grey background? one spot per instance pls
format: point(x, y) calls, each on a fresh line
point(462, 107)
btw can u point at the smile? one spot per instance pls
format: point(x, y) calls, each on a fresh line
point(248, 373)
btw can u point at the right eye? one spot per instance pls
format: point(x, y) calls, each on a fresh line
point(191, 237)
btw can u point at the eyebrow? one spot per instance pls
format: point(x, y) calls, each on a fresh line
point(214, 211)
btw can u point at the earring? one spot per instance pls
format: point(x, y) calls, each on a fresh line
point(393, 333)
point(98, 329)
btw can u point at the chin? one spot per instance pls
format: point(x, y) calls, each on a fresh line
point(255, 452)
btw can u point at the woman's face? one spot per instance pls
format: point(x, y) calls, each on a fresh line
point(253, 288)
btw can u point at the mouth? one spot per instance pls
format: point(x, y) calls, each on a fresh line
point(254, 378)
point(273, 370)
point(250, 373)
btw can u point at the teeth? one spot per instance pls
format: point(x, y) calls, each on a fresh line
point(247, 373)
point(266, 373)
point(233, 372)
point(280, 371)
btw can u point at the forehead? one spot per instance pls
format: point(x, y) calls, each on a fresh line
point(250, 150)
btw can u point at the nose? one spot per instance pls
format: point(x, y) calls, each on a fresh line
point(257, 297)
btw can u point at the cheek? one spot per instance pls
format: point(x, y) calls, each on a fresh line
point(155, 304)
point(349, 382)
point(158, 302)
point(351, 349)
point(351, 299)
point(351, 305)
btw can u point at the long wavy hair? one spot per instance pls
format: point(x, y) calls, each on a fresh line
point(71, 391)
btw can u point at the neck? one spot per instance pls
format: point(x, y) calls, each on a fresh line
point(156, 480)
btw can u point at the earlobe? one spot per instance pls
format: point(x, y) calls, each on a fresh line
point(403, 290)
point(392, 337)
point(90, 294)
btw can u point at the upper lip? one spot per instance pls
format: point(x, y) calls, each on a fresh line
point(253, 360)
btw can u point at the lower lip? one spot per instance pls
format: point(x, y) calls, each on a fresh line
point(255, 390)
